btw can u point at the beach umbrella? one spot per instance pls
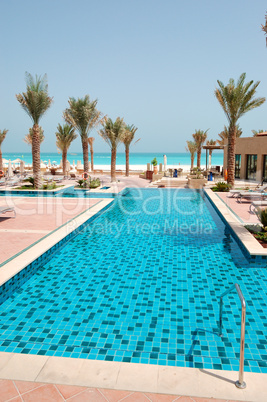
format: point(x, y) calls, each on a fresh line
point(165, 163)
point(9, 169)
point(5, 160)
point(73, 164)
point(16, 162)
point(49, 163)
point(67, 166)
point(21, 167)
point(61, 164)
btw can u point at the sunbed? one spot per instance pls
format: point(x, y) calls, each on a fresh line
point(3, 210)
point(250, 195)
point(256, 204)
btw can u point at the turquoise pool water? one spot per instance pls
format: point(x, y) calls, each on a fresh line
point(64, 193)
point(141, 283)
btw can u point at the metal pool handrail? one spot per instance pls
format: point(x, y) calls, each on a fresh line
point(240, 383)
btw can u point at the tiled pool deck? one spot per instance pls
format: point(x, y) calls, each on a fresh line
point(29, 377)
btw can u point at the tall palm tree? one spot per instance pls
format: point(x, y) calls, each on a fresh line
point(127, 138)
point(3, 134)
point(65, 135)
point(236, 100)
point(91, 144)
point(210, 142)
point(35, 101)
point(200, 137)
point(112, 133)
point(83, 116)
point(225, 133)
point(192, 148)
point(28, 137)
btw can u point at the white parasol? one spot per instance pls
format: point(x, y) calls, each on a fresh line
point(165, 163)
point(9, 169)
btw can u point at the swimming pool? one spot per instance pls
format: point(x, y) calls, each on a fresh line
point(141, 283)
point(64, 193)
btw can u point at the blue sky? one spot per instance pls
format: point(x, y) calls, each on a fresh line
point(153, 62)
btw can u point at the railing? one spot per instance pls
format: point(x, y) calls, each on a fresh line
point(240, 382)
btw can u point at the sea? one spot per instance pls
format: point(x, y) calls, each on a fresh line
point(137, 160)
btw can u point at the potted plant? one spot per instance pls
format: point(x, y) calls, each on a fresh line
point(154, 162)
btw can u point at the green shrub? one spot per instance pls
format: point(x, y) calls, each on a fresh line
point(221, 186)
point(261, 236)
point(94, 183)
point(262, 215)
point(154, 162)
point(29, 180)
point(82, 183)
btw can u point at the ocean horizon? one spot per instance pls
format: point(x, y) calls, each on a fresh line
point(104, 158)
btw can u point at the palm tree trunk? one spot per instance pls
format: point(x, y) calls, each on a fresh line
point(36, 156)
point(85, 155)
point(231, 155)
point(1, 160)
point(64, 162)
point(113, 164)
point(192, 161)
point(198, 157)
point(127, 159)
point(92, 157)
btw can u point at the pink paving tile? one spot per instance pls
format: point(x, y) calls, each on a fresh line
point(68, 391)
point(240, 209)
point(45, 393)
point(8, 390)
point(114, 395)
point(136, 397)
point(162, 397)
point(26, 386)
point(90, 395)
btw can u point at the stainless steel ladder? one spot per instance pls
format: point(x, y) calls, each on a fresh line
point(240, 383)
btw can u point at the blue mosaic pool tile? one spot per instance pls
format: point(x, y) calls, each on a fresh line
point(119, 291)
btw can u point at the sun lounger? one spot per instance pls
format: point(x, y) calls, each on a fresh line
point(4, 210)
point(12, 182)
point(256, 204)
point(249, 195)
point(233, 193)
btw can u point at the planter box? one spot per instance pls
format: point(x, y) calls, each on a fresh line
point(196, 183)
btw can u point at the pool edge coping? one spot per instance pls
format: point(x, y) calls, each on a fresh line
point(135, 377)
point(252, 246)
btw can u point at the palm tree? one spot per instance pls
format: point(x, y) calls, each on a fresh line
point(35, 101)
point(200, 137)
point(192, 148)
point(112, 133)
point(2, 137)
point(225, 133)
point(65, 135)
point(127, 138)
point(28, 137)
point(210, 142)
point(236, 100)
point(264, 27)
point(83, 116)
point(91, 144)
point(256, 132)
